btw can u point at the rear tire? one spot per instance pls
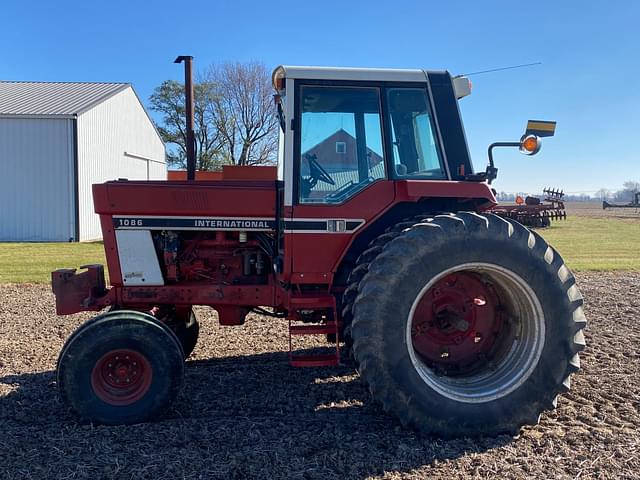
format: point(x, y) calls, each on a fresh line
point(360, 270)
point(470, 385)
point(121, 367)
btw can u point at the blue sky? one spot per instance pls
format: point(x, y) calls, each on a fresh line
point(588, 81)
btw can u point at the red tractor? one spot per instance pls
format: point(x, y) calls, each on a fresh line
point(375, 232)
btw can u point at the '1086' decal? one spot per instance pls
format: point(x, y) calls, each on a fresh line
point(128, 222)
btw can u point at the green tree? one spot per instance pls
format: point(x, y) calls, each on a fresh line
point(169, 100)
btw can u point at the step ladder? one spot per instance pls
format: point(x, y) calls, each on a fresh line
point(331, 326)
point(318, 360)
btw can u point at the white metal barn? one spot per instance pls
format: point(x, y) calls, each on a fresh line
point(56, 140)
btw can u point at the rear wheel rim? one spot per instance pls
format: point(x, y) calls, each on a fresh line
point(475, 332)
point(121, 377)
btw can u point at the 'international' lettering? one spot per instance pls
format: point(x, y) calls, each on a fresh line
point(236, 224)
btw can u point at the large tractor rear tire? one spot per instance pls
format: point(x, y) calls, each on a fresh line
point(121, 367)
point(467, 325)
point(360, 270)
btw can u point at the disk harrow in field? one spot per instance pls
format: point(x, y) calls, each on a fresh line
point(536, 212)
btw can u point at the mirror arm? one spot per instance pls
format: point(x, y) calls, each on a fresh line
point(492, 171)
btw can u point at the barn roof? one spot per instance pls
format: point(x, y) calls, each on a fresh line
point(53, 98)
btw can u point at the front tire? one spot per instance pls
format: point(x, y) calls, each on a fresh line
point(467, 325)
point(121, 367)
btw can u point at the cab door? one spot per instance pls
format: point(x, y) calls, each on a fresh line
point(340, 174)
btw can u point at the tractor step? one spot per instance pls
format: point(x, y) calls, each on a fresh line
point(312, 301)
point(322, 329)
point(328, 360)
point(331, 327)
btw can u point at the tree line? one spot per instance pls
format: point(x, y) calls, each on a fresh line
point(625, 194)
point(234, 119)
point(622, 195)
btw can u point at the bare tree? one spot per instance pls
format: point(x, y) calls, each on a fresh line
point(603, 194)
point(235, 119)
point(243, 112)
point(628, 189)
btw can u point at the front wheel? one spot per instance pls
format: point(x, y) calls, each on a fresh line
point(121, 367)
point(467, 325)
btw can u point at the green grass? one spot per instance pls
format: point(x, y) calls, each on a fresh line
point(600, 244)
point(34, 262)
point(596, 244)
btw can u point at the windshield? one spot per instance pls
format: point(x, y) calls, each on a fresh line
point(340, 142)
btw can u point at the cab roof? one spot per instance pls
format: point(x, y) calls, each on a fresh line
point(350, 73)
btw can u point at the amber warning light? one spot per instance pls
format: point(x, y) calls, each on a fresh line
point(530, 144)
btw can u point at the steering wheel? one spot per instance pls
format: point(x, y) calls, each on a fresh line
point(317, 171)
point(348, 189)
point(340, 192)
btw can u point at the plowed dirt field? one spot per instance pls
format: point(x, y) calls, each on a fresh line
point(244, 413)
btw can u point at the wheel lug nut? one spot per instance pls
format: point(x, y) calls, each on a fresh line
point(127, 357)
point(110, 365)
point(477, 338)
point(444, 354)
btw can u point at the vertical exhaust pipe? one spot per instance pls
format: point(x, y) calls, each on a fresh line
point(188, 91)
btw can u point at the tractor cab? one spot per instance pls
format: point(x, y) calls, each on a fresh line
point(344, 129)
point(355, 145)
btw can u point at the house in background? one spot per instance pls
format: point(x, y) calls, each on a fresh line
point(56, 140)
point(338, 153)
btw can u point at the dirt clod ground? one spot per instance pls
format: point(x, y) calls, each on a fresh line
point(244, 413)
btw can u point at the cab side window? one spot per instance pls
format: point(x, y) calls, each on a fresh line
point(340, 143)
point(415, 150)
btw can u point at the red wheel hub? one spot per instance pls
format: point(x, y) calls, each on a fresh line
point(121, 377)
point(456, 323)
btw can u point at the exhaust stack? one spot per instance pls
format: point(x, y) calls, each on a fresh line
point(188, 95)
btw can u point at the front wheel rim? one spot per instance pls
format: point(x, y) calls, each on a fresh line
point(448, 324)
point(121, 377)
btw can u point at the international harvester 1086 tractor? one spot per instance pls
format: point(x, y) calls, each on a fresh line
point(376, 232)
